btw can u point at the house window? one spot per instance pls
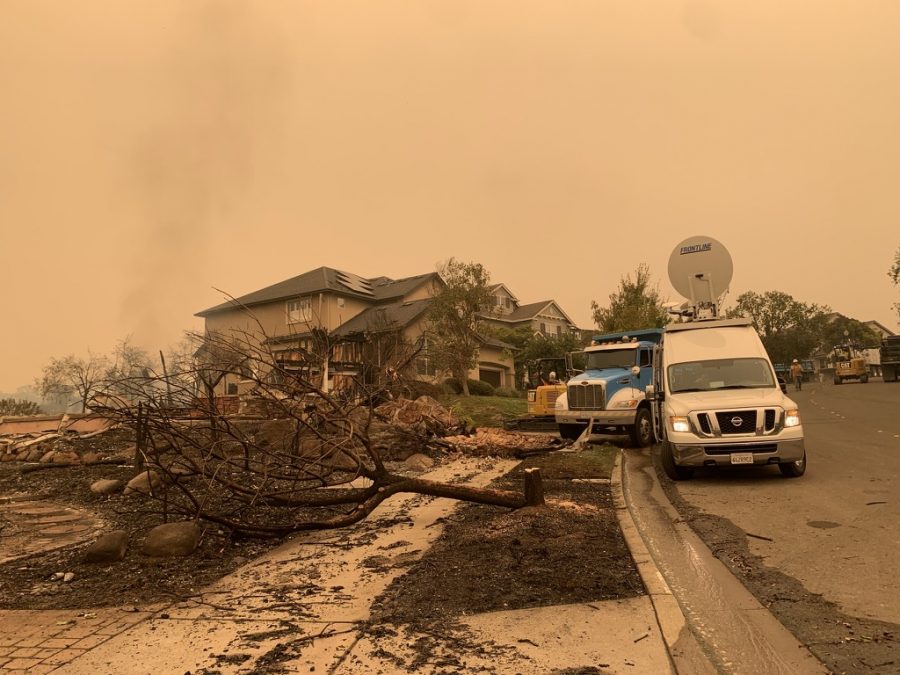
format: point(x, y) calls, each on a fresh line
point(299, 310)
point(499, 300)
point(424, 363)
point(231, 389)
point(543, 328)
point(559, 331)
point(507, 303)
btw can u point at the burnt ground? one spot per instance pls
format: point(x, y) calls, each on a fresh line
point(487, 557)
point(845, 644)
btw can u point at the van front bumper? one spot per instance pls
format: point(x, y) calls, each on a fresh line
point(767, 451)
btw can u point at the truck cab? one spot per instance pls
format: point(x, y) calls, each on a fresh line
point(716, 401)
point(609, 395)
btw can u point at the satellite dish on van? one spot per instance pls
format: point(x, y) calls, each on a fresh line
point(700, 269)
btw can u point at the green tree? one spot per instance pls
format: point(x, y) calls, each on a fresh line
point(789, 329)
point(636, 305)
point(69, 376)
point(842, 330)
point(454, 318)
point(894, 274)
point(531, 347)
point(15, 407)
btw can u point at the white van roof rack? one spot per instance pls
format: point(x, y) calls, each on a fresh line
point(716, 323)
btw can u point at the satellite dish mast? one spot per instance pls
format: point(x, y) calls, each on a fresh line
point(700, 269)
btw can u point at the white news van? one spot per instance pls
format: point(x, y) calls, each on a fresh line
point(716, 401)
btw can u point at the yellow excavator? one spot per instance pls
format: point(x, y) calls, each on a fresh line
point(545, 385)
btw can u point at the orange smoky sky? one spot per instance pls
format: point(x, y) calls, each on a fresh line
point(151, 152)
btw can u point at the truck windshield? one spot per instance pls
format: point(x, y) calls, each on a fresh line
point(720, 374)
point(610, 358)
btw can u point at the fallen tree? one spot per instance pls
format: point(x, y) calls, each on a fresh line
point(308, 463)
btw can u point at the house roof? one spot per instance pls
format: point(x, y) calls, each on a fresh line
point(328, 279)
point(495, 287)
point(384, 317)
point(878, 327)
point(529, 311)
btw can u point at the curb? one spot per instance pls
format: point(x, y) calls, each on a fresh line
point(672, 623)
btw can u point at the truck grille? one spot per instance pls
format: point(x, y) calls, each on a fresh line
point(586, 397)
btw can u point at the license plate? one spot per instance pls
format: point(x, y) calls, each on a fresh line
point(742, 458)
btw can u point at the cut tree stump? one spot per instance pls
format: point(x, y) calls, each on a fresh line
point(534, 488)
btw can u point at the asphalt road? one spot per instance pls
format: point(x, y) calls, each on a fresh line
point(837, 528)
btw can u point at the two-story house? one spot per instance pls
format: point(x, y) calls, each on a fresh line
point(545, 317)
point(360, 321)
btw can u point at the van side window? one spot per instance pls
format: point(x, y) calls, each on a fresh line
point(646, 358)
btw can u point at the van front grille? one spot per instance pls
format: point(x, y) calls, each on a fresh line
point(737, 422)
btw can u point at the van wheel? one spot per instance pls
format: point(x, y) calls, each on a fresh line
point(571, 432)
point(794, 469)
point(642, 432)
point(672, 470)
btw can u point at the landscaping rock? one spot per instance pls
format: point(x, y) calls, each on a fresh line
point(67, 457)
point(47, 457)
point(172, 539)
point(33, 455)
point(146, 483)
point(105, 486)
point(110, 547)
point(419, 462)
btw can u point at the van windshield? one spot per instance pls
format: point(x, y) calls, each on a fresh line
point(720, 374)
point(610, 358)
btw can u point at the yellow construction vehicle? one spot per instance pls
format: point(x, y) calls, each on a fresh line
point(849, 364)
point(545, 384)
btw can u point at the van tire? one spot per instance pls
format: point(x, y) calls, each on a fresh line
point(571, 432)
point(794, 469)
point(641, 432)
point(672, 470)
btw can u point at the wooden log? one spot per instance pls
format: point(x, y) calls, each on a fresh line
point(534, 488)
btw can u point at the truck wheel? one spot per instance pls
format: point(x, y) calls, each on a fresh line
point(837, 380)
point(864, 379)
point(794, 469)
point(672, 470)
point(642, 432)
point(571, 431)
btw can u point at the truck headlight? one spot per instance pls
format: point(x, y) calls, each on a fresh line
point(631, 403)
point(792, 418)
point(679, 423)
point(532, 396)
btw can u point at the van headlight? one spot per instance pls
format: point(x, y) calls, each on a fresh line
point(679, 423)
point(792, 418)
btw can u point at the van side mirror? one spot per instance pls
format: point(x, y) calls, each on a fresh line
point(650, 393)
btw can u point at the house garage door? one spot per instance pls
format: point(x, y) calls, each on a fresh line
point(492, 377)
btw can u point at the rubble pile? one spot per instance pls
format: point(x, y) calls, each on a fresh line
point(503, 443)
point(57, 441)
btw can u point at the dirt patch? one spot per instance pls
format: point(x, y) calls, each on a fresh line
point(845, 644)
point(491, 559)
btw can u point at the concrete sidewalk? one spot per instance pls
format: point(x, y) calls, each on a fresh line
point(298, 608)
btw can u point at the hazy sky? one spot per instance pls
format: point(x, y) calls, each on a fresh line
point(153, 150)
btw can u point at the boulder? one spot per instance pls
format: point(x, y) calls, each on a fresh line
point(34, 455)
point(47, 457)
point(66, 457)
point(146, 483)
point(110, 547)
point(172, 539)
point(419, 462)
point(106, 486)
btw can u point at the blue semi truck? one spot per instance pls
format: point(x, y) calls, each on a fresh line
point(609, 394)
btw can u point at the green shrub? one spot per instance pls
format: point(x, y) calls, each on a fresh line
point(418, 388)
point(506, 392)
point(479, 388)
point(452, 386)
